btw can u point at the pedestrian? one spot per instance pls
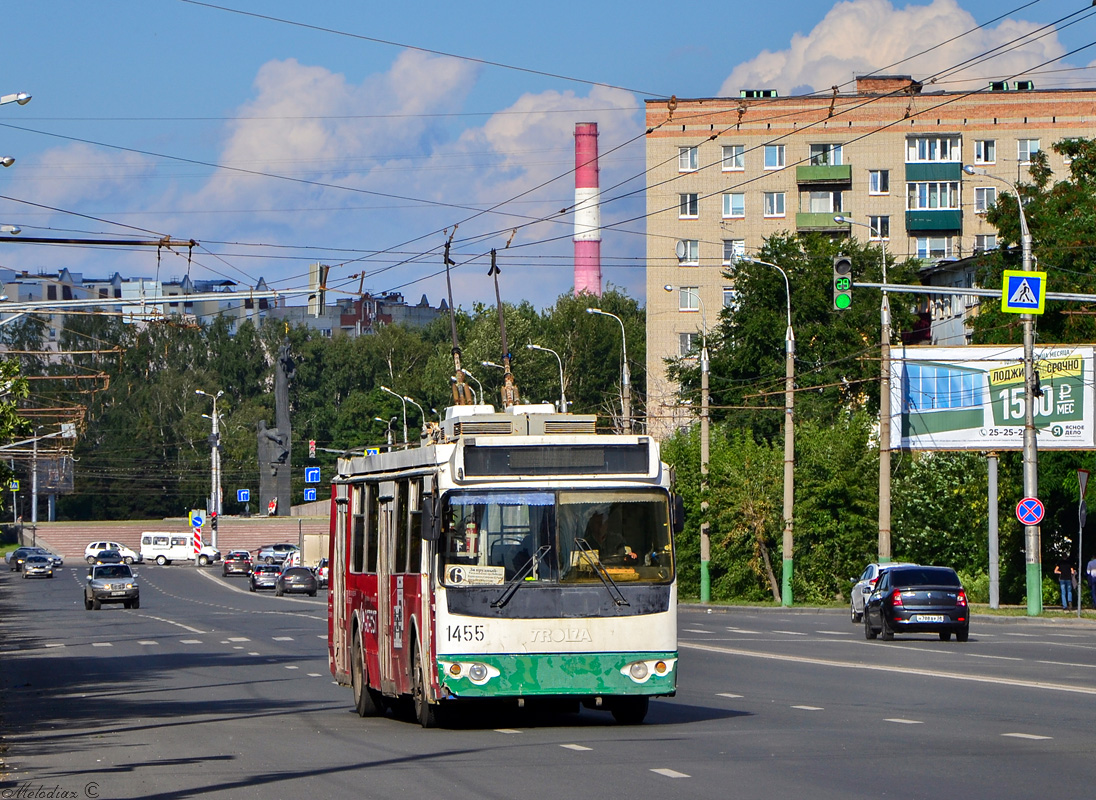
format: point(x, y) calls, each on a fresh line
point(1090, 568)
point(1065, 572)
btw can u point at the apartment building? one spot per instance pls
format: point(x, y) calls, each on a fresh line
point(726, 173)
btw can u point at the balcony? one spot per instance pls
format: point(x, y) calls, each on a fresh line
point(934, 171)
point(818, 221)
point(820, 174)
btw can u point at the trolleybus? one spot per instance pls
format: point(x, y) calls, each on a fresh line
point(513, 555)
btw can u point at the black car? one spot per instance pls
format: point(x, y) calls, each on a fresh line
point(296, 579)
point(915, 599)
point(19, 555)
point(108, 557)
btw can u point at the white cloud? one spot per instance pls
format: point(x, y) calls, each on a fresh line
point(861, 36)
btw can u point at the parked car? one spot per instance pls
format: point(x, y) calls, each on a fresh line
point(915, 599)
point(111, 583)
point(264, 576)
point(275, 553)
point(37, 566)
point(296, 579)
point(237, 562)
point(865, 585)
point(322, 573)
point(93, 549)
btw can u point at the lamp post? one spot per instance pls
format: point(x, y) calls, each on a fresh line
point(468, 374)
point(884, 403)
point(562, 394)
point(388, 429)
point(789, 440)
point(403, 401)
point(705, 525)
point(215, 462)
point(1032, 536)
point(625, 379)
point(422, 413)
point(22, 98)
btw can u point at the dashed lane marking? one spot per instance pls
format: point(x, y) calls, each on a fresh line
point(506, 730)
point(791, 633)
point(576, 747)
point(809, 708)
point(670, 773)
point(1026, 736)
point(727, 694)
point(190, 641)
point(283, 638)
point(901, 721)
point(147, 642)
point(102, 644)
point(998, 658)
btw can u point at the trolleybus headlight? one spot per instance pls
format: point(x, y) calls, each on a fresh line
point(642, 671)
point(477, 673)
point(638, 671)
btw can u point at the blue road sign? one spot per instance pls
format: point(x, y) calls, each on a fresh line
point(196, 519)
point(243, 495)
point(310, 495)
point(1029, 511)
point(312, 475)
point(1023, 292)
point(372, 451)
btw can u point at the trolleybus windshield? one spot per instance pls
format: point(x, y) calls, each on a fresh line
point(491, 536)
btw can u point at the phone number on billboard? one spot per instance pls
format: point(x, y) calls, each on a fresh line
point(1001, 431)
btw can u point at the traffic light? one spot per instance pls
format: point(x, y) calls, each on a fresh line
point(842, 283)
point(213, 520)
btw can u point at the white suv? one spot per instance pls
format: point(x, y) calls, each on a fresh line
point(95, 548)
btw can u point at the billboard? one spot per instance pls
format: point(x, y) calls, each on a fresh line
point(972, 398)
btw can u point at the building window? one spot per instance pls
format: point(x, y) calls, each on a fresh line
point(688, 206)
point(686, 344)
point(932, 195)
point(687, 159)
point(689, 252)
point(823, 202)
point(730, 297)
point(825, 155)
point(688, 298)
point(51, 292)
point(933, 148)
point(879, 181)
point(774, 156)
point(984, 197)
point(880, 228)
point(733, 250)
point(734, 205)
point(984, 242)
point(734, 157)
point(1026, 149)
point(774, 204)
point(934, 247)
point(985, 151)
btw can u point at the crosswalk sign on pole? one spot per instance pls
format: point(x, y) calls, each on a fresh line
point(1023, 291)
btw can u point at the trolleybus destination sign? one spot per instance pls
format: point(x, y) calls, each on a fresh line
point(973, 398)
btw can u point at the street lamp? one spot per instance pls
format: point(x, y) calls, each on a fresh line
point(562, 394)
point(403, 401)
point(6, 161)
point(1032, 536)
point(884, 402)
point(625, 380)
point(388, 429)
point(215, 463)
point(22, 98)
point(468, 374)
point(14, 230)
point(705, 526)
point(789, 439)
point(422, 413)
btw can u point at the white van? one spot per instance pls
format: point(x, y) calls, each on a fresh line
point(163, 547)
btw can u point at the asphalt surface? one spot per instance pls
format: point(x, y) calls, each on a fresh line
point(209, 690)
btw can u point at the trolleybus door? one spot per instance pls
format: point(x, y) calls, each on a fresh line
point(385, 558)
point(336, 596)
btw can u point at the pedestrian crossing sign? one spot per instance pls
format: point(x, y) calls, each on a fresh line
point(1023, 291)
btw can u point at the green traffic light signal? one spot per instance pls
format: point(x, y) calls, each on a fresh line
point(842, 282)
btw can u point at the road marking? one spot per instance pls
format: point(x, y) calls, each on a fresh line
point(835, 633)
point(1026, 635)
point(102, 644)
point(905, 671)
point(322, 636)
point(1026, 736)
point(283, 638)
point(999, 658)
point(741, 630)
point(506, 730)
point(694, 630)
point(291, 666)
point(809, 708)
point(727, 694)
point(575, 747)
point(1067, 664)
point(253, 654)
point(670, 773)
point(55, 644)
point(238, 639)
point(238, 647)
point(148, 642)
point(904, 721)
point(315, 675)
point(173, 622)
point(791, 633)
point(190, 641)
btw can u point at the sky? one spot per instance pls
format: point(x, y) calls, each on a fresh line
point(365, 135)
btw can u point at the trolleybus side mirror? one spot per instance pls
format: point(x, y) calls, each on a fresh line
point(431, 531)
point(679, 513)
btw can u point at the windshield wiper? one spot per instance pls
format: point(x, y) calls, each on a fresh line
point(606, 579)
point(519, 577)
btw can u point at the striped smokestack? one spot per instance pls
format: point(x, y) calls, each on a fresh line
point(587, 211)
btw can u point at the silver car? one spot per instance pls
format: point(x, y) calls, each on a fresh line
point(865, 585)
point(111, 583)
point(38, 566)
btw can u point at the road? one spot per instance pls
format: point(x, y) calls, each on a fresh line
point(208, 690)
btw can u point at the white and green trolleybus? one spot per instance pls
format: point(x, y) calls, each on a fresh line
point(514, 555)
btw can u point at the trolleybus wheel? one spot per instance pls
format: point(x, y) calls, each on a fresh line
point(630, 710)
point(425, 712)
point(364, 699)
